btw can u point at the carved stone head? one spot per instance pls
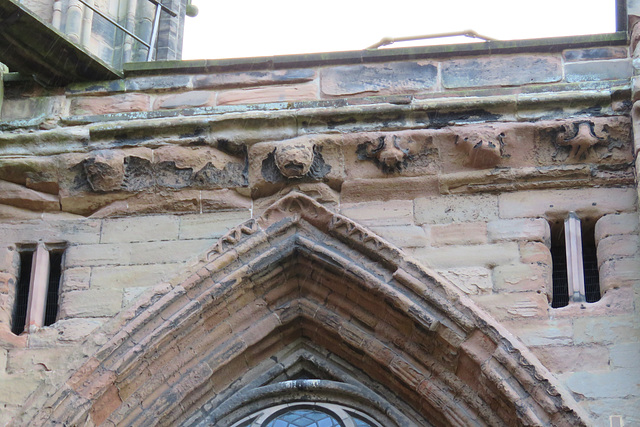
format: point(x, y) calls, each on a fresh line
point(294, 159)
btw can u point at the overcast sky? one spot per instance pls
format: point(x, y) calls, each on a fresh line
point(242, 28)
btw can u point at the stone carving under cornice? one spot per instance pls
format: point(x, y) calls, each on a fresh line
point(391, 152)
point(298, 158)
point(484, 146)
point(580, 137)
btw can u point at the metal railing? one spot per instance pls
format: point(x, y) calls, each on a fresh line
point(154, 31)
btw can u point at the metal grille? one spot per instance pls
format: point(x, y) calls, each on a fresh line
point(55, 271)
point(22, 293)
point(591, 275)
point(560, 280)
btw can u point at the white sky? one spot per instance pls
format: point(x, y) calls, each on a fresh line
point(244, 28)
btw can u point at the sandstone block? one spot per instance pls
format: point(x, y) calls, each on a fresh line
point(466, 233)
point(611, 225)
point(454, 208)
point(393, 212)
point(3, 361)
point(590, 54)
point(542, 332)
point(150, 228)
point(380, 79)
point(75, 279)
point(522, 278)
point(625, 356)
point(90, 303)
point(618, 246)
point(471, 280)
point(403, 236)
point(210, 225)
point(8, 258)
point(157, 83)
point(506, 70)
point(598, 70)
point(569, 358)
point(363, 190)
point(16, 388)
point(253, 78)
point(75, 330)
point(26, 198)
point(136, 253)
point(125, 103)
point(191, 99)
point(468, 256)
point(509, 306)
point(263, 95)
point(7, 283)
point(119, 277)
point(618, 383)
point(606, 330)
point(556, 204)
point(72, 231)
point(619, 272)
point(534, 253)
point(530, 229)
point(131, 294)
point(224, 199)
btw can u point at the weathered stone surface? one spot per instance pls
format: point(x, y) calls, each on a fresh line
point(252, 78)
point(608, 52)
point(598, 70)
point(616, 224)
point(619, 272)
point(393, 212)
point(535, 253)
point(16, 388)
point(590, 203)
point(471, 280)
point(601, 385)
point(568, 358)
point(522, 278)
point(75, 279)
point(75, 330)
point(90, 303)
point(195, 98)
point(223, 200)
point(22, 197)
point(210, 225)
point(606, 330)
point(467, 256)
point(519, 305)
point(404, 236)
point(145, 228)
point(109, 279)
point(73, 231)
point(530, 229)
point(125, 103)
point(446, 209)
point(542, 333)
point(390, 78)
point(618, 246)
point(466, 233)
point(300, 92)
point(362, 190)
point(625, 356)
point(501, 71)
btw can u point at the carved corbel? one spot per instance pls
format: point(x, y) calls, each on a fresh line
point(295, 159)
point(484, 147)
point(390, 152)
point(580, 136)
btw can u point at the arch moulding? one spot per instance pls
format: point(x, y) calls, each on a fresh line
point(303, 292)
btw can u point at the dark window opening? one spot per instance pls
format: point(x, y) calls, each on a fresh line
point(559, 261)
point(53, 288)
point(590, 261)
point(22, 293)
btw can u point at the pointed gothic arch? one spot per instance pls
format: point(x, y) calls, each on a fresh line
point(302, 289)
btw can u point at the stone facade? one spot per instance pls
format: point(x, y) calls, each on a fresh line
point(379, 222)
